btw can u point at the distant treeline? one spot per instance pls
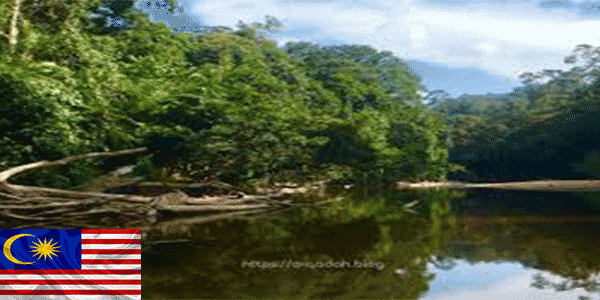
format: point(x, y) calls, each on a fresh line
point(548, 128)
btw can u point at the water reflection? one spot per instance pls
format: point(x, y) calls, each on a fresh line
point(363, 233)
point(509, 245)
point(437, 244)
point(505, 280)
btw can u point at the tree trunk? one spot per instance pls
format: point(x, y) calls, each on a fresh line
point(14, 29)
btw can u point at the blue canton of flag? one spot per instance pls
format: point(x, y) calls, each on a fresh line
point(41, 249)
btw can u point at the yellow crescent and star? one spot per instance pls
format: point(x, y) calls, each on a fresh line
point(45, 249)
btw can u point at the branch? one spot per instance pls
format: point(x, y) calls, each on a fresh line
point(21, 217)
point(9, 196)
point(65, 205)
point(186, 208)
point(61, 162)
point(39, 191)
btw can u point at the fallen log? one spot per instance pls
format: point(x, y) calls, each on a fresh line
point(544, 185)
point(50, 206)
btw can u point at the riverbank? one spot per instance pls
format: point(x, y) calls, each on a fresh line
point(540, 185)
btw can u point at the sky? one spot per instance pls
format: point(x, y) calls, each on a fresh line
point(461, 46)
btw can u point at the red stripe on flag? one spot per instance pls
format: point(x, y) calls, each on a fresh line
point(111, 251)
point(70, 292)
point(111, 241)
point(71, 272)
point(111, 261)
point(69, 282)
point(111, 231)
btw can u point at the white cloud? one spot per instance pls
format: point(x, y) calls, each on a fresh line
point(487, 47)
point(504, 39)
point(418, 32)
point(282, 41)
point(228, 13)
point(500, 39)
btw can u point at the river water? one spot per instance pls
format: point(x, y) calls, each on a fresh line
point(477, 244)
point(429, 244)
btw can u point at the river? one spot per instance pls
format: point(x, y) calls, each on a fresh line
point(429, 244)
point(434, 243)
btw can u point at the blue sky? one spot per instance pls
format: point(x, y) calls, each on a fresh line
point(461, 46)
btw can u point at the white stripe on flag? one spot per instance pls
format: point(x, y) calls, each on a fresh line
point(70, 277)
point(111, 267)
point(73, 297)
point(111, 256)
point(78, 287)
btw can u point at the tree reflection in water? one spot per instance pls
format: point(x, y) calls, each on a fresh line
point(589, 285)
point(443, 262)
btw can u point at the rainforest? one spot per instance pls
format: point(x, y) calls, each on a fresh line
point(227, 147)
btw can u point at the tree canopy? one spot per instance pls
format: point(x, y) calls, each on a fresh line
point(251, 110)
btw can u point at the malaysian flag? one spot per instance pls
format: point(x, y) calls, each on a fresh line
point(70, 264)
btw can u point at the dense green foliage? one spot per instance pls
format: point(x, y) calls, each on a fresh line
point(98, 75)
point(545, 129)
point(250, 109)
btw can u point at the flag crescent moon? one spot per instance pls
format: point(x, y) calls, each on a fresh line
point(7, 249)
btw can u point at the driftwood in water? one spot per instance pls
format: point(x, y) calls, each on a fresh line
point(545, 185)
point(526, 219)
point(88, 202)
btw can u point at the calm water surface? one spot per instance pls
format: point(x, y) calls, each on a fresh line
point(445, 245)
